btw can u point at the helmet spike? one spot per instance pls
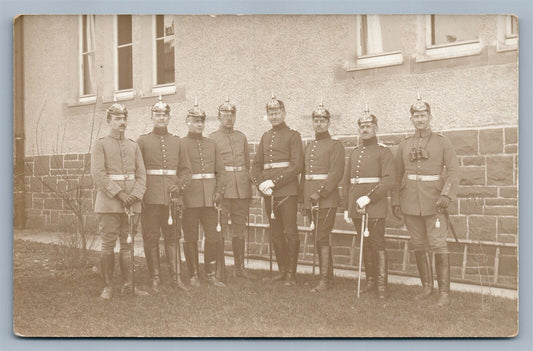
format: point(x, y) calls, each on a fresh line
point(160, 96)
point(227, 99)
point(321, 102)
point(195, 101)
point(273, 96)
point(418, 94)
point(114, 97)
point(367, 110)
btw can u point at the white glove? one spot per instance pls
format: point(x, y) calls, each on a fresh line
point(267, 184)
point(347, 218)
point(268, 191)
point(363, 201)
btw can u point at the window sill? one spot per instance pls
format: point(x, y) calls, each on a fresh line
point(82, 101)
point(120, 95)
point(166, 89)
point(453, 50)
point(509, 44)
point(377, 61)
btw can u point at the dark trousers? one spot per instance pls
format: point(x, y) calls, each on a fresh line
point(236, 211)
point(207, 216)
point(155, 222)
point(376, 228)
point(324, 225)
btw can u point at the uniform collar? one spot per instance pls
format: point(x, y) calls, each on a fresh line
point(280, 126)
point(226, 130)
point(370, 141)
point(160, 130)
point(422, 133)
point(322, 136)
point(197, 136)
point(116, 135)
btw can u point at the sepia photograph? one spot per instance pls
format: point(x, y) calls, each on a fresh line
point(266, 176)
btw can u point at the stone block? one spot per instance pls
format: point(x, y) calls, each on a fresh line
point(36, 185)
point(473, 160)
point(508, 192)
point(507, 225)
point(465, 141)
point(53, 204)
point(491, 141)
point(477, 191)
point(500, 170)
point(508, 265)
point(501, 210)
point(511, 135)
point(41, 165)
point(459, 224)
point(74, 164)
point(473, 175)
point(56, 161)
point(511, 149)
point(482, 228)
point(70, 157)
point(501, 202)
point(507, 238)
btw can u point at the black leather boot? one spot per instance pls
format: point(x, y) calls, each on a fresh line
point(425, 270)
point(220, 265)
point(370, 261)
point(324, 259)
point(383, 273)
point(191, 257)
point(280, 250)
point(175, 278)
point(126, 263)
point(238, 257)
point(152, 262)
point(442, 265)
point(294, 249)
point(107, 263)
point(210, 262)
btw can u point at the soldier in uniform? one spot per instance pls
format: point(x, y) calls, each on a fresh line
point(118, 172)
point(201, 198)
point(324, 169)
point(277, 164)
point(368, 178)
point(423, 193)
point(233, 147)
point(168, 171)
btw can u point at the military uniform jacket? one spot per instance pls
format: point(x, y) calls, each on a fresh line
point(233, 147)
point(369, 160)
point(323, 156)
point(417, 197)
point(163, 151)
point(116, 155)
point(279, 144)
point(205, 159)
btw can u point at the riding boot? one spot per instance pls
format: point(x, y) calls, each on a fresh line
point(126, 268)
point(191, 257)
point(210, 261)
point(442, 265)
point(280, 250)
point(220, 265)
point(294, 249)
point(175, 278)
point(324, 253)
point(107, 263)
point(152, 262)
point(238, 257)
point(425, 270)
point(382, 273)
point(369, 259)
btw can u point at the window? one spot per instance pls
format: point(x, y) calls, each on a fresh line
point(164, 75)
point(449, 36)
point(87, 86)
point(378, 41)
point(123, 57)
point(507, 33)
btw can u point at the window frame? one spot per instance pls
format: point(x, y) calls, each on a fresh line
point(83, 98)
point(166, 88)
point(506, 40)
point(122, 94)
point(383, 59)
point(449, 50)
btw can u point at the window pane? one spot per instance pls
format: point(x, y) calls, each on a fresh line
point(165, 61)
point(159, 26)
point(88, 66)
point(84, 33)
point(125, 71)
point(514, 26)
point(123, 29)
point(454, 28)
point(380, 34)
point(391, 34)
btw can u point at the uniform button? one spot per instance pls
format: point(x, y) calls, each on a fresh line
point(358, 161)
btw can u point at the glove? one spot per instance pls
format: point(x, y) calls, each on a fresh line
point(266, 187)
point(363, 201)
point(397, 212)
point(174, 189)
point(217, 199)
point(347, 218)
point(131, 200)
point(314, 198)
point(443, 202)
point(122, 197)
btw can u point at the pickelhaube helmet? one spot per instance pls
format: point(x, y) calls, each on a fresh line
point(275, 104)
point(420, 106)
point(161, 106)
point(196, 111)
point(320, 111)
point(367, 117)
point(227, 107)
point(116, 109)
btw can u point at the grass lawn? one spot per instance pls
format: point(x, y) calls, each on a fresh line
point(52, 301)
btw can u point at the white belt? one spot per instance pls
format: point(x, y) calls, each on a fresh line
point(316, 176)
point(365, 180)
point(276, 165)
point(161, 172)
point(234, 168)
point(423, 178)
point(203, 176)
point(121, 176)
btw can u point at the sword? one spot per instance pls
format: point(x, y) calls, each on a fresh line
point(314, 209)
point(272, 217)
point(364, 233)
point(131, 240)
point(452, 229)
point(178, 215)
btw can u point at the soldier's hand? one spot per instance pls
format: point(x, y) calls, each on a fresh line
point(217, 199)
point(347, 218)
point(266, 187)
point(314, 198)
point(122, 197)
point(363, 201)
point(397, 212)
point(173, 188)
point(131, 200)
point(443, 202)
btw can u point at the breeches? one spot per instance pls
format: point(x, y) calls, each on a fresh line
point(376, 229)
point(207, 216)
point(113, 226)
point(424, 233)
point(155, 222)
point(285, 210)
point(324, 225)
point(235, 210)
